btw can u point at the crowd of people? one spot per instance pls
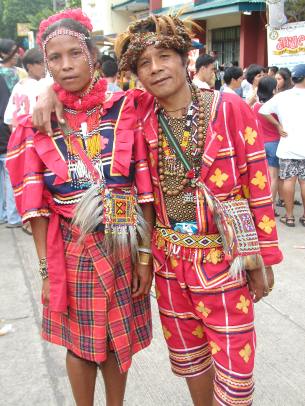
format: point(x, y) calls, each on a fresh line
point(279, 121)
point(122, 174)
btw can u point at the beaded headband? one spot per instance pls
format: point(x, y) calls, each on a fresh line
point(72, 14)
point(82, 39)
point(170, 32)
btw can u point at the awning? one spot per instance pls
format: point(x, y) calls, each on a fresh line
point(218, 7)
point(130, 5)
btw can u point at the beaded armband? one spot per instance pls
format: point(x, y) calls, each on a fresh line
point(43, 268)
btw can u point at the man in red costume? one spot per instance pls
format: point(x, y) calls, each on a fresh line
point(206, 311)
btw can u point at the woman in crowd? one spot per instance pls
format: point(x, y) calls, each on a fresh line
point(9, 78)
point(81, 189)
point(266, 89)
point(253, 75)
point(283, 78)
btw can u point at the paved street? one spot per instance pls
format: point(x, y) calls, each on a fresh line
point(32, 372)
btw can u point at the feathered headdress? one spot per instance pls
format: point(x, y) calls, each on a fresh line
point(162, 31)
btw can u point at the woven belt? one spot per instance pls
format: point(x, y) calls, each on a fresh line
point(189, 240)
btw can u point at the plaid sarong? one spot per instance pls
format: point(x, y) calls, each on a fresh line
point(102, 315)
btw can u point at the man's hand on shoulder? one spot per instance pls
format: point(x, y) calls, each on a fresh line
point(47, 103)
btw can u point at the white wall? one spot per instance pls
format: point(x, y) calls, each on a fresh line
point(103, 18)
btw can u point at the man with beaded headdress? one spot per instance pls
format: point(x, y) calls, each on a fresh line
point(206, 311)
point(204, 148)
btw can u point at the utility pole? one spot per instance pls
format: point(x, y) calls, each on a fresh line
point(54, 5)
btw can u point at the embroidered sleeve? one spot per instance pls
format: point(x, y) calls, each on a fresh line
point(252, 165)
point(26, 173)
point(142, 174)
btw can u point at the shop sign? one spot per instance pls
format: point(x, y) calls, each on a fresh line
point(286, 46)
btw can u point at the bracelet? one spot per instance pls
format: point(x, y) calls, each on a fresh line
point(43, 268)
point(144, 249)
point(144, 258)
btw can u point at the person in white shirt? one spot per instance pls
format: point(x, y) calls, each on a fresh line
point(289, 108)
point(233, 77)
point(110, 72)
point(253, 75)
point(25, 92)
point(205, 72)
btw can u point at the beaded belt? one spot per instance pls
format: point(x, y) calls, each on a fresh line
point(188, 240)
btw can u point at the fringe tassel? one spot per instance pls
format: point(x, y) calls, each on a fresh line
point(119, 238)
point(247, 263)
point(89, 211)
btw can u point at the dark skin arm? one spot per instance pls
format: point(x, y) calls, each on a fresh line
point(143, 274)
point(39, 229)
point(276, 124)
point(47, 103)
point(258, 287)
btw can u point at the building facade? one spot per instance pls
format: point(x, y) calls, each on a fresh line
point(235, 29)
point(113, 16)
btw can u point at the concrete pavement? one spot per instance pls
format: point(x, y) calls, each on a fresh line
point(32, 372)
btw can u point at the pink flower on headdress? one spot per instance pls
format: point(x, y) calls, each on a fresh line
point(74, 14)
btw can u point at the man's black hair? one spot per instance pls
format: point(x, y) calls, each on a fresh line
point(274, 69)
point(252, 71)
point(232, 73)
point(31, 57)
point(204, 60)
point(109, 68)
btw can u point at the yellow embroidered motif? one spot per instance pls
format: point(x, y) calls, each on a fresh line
point(245, 353)
point(260, 180)
point(214, 347)
point(246, 191)
point(266, 224)
point(250, 135)
point(167, 333)
point(243, 304)
point(220, 137)
point(219, 177)
point(214, 256)
point(156, 198)
point(158, 294)
point(199, 332)
point(174, 262)
point(160, 243)
point(201, 308)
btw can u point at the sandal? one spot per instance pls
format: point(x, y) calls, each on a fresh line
point(288, 221)
point(280, 203)
point(26, 228)
point(302, 220)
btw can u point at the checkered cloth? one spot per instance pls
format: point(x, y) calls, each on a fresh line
point(101, 315)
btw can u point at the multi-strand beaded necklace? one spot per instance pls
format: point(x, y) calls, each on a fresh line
point(82, 113)
point(193, 137)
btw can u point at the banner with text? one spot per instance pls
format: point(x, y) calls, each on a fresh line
point(286, 46)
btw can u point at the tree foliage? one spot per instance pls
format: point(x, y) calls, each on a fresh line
point(28, 11)
point(295, 10)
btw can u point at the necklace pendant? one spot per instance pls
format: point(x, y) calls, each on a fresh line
point(188, 197)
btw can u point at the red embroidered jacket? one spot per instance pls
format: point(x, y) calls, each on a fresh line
point(233, 165)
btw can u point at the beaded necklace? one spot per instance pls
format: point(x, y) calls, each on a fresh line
point(82, 113)
point(168, 163)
